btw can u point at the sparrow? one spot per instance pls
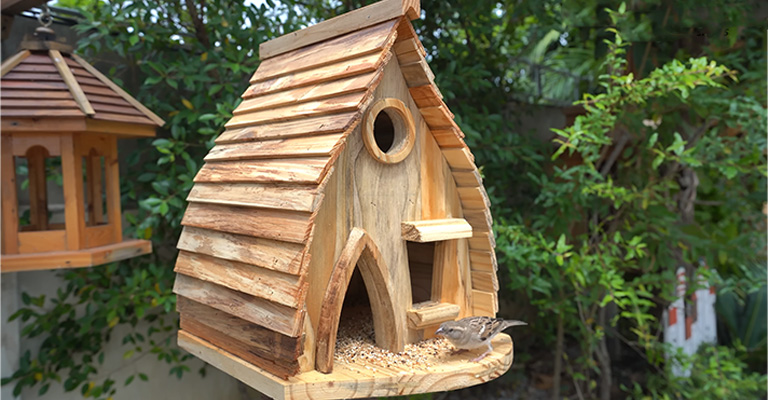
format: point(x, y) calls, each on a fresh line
point(473, 332)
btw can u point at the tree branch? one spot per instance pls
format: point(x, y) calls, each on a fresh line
point(604, 357)
point(197, 21)
point(558, 355)
point(617, 149)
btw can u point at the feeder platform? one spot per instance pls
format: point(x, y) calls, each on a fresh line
point(360, 380)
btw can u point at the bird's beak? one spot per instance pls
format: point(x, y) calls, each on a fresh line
point(516, 323)
point(439, 331)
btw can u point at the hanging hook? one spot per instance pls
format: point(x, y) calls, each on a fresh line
point(44, 32)
point(45, 17)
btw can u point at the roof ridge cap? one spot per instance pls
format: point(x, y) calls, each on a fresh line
point(12, 62)
point(342, 24)
point(69, 79)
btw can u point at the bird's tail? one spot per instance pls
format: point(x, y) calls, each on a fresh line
point(511, 322)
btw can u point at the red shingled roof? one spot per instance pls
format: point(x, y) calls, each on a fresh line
point(46, 83)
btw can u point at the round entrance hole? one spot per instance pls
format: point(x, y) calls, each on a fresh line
point(388, 131)
point(384, 131)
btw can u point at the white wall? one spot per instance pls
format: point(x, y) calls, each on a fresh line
point(9, 331)
point(161, 385)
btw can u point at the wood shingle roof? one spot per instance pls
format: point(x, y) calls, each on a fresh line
point(47, 83)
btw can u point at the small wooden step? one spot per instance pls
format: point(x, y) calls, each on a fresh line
point(434, 230)
point(430, 313)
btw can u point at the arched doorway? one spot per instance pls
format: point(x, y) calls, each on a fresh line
point(362, 252)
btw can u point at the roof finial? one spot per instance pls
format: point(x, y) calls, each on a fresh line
point(44, 32)
point(44, 37)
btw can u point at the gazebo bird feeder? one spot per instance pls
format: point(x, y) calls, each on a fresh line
point(61, 119)
point(341, 192)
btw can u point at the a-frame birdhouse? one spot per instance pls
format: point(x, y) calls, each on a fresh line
point(341, 191)
point(61, 119)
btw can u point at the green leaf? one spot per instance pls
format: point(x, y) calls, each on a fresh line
point(163, 209)
point(537, 54)
point(151, 202)
point(43, 389)
point(160, 187)
point(678, 145)
point(722, 257)
point(152, 80)
point(560, 242)
point(730, 172)
point(70, 384)
point(657, 161)
point(652, 140)
point(214, 89)
point(161, 143)
point(39, 301)
point(147, 177)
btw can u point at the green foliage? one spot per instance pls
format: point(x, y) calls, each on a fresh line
point(742, 310)
point(81, 317)
point(717, 373)
point(612, 227)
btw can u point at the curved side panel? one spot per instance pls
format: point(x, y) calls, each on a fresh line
point(359, 250)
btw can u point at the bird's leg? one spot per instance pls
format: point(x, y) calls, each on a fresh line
point(481, 356)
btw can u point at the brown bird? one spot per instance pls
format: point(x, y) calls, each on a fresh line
point(473, 332)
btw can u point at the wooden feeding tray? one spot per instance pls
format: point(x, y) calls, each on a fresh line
point(361, 379)
point(77, 258)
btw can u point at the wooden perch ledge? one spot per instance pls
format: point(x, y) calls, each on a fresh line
point(436, 229)
point(431, 313)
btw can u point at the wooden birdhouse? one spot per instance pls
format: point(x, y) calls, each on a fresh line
point(61, 119)
point(340, 194)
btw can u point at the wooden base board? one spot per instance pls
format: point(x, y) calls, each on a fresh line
point(75, 258)
point(357, 380)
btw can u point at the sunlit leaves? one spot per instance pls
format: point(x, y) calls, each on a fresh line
point(612, 196)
